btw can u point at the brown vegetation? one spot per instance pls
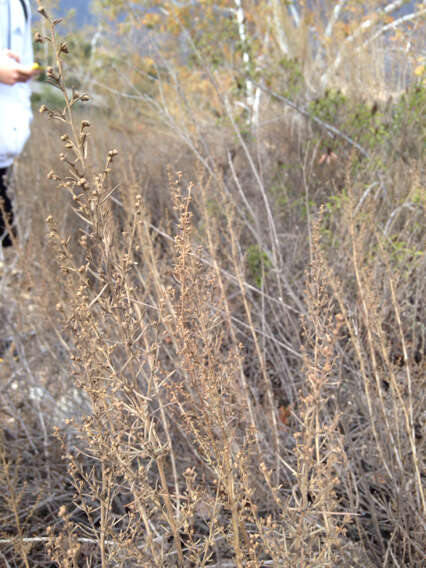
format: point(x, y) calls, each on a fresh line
point(220, 367)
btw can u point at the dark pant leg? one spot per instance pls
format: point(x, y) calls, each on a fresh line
point(8, 210)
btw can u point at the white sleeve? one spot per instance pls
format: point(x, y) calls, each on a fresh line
point(28, 55)
point(4, 25)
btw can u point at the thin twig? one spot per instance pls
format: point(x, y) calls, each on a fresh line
point(322, 123)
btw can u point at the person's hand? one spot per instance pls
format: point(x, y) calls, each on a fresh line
point(12, 73)
point(12, 55)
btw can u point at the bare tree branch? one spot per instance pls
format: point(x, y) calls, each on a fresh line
point(334, 17)
point(393, 25)
point(315, 119)
point(367, 24)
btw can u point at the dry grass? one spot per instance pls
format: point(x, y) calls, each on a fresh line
point(228, 372)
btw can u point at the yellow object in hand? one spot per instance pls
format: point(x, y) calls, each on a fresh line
point(36, 67)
